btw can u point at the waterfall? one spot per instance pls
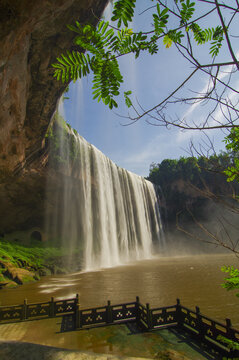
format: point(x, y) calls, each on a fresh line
point(111, 214)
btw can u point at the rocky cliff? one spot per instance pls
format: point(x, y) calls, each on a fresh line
point(32, 34)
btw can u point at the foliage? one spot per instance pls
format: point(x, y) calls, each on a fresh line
point(34, 255)
point(65, 92)
point(232, 145)
point(191, 171)
point(231, 282)
point(230, 344)
point(123, 11)
point(64, 149)
point(105, 44)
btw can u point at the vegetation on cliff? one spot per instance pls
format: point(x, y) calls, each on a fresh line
point(21, 263)
point(188, 182)
point(62, 141)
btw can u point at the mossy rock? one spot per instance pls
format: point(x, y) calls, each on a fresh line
point(27, 278)
point(3, 279)
point(44, 272)
point(11, 284)
point(60, 271)
point(52, 268)
point(18, 275)
point(21, 264)
point(36, 277)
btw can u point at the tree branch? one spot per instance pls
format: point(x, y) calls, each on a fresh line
point(226, 35)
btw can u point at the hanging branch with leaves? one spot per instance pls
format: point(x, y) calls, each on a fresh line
point(105, 44)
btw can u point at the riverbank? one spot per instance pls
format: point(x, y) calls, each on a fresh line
point(20, 263)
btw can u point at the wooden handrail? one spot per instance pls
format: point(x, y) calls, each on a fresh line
point(203, 327)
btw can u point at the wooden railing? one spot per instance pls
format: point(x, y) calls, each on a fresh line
point(39, 310)
point(106, 315)
point(202, 327)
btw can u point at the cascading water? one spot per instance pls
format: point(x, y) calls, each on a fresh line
point(111, 214)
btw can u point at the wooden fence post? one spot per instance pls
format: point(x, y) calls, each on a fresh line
point(199, 324)
point(77, 311)
point(79, 320)
point(77, 299)
point(52, 308)
point(149, 317)
point(230, 333)
point(109, 319)
point(137, 310)
point(178, 313)
point(24, 310)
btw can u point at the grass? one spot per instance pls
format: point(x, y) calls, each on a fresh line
point(34, 255)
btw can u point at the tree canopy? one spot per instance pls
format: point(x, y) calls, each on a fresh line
point(187, 182)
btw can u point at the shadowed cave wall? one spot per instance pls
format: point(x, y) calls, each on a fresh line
point(32, 34)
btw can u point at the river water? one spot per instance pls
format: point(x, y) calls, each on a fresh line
point(195, 280)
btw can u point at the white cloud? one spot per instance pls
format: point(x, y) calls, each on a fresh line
point(233, 97)
point(157, 149)
point(208, 86)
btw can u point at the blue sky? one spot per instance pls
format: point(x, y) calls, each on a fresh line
point(151, 78)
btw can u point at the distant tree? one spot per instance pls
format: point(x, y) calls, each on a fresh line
point(187, 185)
point(232, 145)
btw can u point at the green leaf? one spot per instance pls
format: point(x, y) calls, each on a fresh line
point(231, 282)
point(126, 93)
point(187, 11)
point(167, 41)
point(128, 102)
point(100, 24)
point(105, 26)
point(123, 11)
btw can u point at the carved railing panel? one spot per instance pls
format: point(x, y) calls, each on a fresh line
point(189, 319)
point(208, 329)
point(15, 313)
point(143, 316)
point(164, 316)
point(38, 310)
point(64, 306)
point(92, 317)
point(213, 330)
point(123, 312)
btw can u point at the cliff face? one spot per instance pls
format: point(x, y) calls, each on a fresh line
point(32, 34)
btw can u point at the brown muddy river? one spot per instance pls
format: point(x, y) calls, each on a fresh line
point(195, 280)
